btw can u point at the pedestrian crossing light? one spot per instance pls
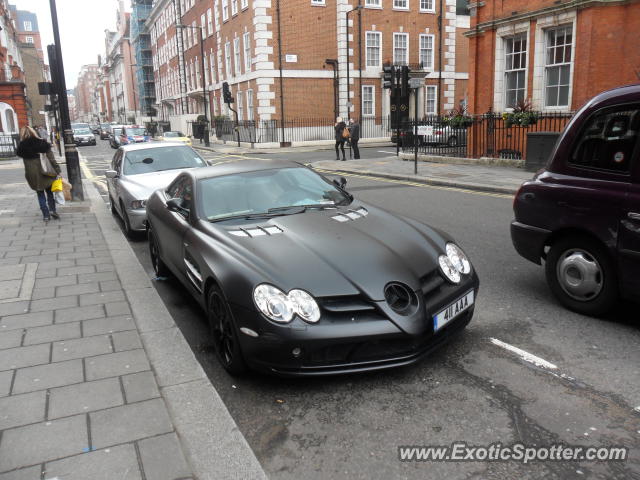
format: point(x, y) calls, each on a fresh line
point(226, 93)
point(388, 75)
point(404, 81)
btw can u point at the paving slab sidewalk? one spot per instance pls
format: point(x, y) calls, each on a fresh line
point(486, 178)
point(96, 381)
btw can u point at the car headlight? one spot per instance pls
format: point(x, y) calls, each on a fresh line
point(138, 204)
point(454, 264)
point(281, 307)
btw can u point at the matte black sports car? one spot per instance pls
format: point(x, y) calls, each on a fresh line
point(299, 278)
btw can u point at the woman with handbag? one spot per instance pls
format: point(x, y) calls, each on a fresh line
point(40, 169)
point(342, 135)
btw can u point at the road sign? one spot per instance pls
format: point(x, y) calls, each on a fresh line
point(425, 130)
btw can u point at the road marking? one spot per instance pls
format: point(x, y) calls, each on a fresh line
point(382, 151)
point(524, 355)
point(411, 184)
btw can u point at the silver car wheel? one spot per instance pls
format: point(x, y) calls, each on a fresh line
point(579, 274)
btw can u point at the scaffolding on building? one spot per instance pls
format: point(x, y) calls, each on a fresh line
point(141, 41)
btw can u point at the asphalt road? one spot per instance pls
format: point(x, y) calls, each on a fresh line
point(476, 390)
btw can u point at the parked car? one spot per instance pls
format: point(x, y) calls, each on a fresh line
point(105, 131)
point(139, 169)
point(298, 277)
point(116, 134)
point(130, 134)
point(77, 126)
point(174, 136)
point(433, 134)
point(83, 136)
point(581, 214)
point(95, 129)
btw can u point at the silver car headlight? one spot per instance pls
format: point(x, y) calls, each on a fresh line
point(454, 264)
point(281, 307)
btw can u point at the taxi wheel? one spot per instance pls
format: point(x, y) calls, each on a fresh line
point(581, 275)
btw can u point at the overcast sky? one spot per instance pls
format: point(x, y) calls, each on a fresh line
point(82, 24)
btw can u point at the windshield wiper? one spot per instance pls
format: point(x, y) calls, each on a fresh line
point(245, 216)
point(301, 208)
point(273, 212)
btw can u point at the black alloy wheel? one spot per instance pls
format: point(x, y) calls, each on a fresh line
point(224, 334)
point(159, 267)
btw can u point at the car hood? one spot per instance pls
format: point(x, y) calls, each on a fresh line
point(143, 185)
point(326, 257)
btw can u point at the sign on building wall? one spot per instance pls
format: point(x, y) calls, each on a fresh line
point(291, 58)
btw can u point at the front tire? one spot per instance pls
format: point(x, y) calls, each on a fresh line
point(127, 223)
point(581, 275)
point(159, 267)
point(223, 331)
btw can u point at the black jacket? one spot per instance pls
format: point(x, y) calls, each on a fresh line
point(32, 147)
point(339, 129)
point(354, 128)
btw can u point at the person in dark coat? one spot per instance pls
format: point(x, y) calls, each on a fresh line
point(354, 129)
point(340, 140)
point(39, 173)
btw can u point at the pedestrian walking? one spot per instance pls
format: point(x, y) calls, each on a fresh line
point(40, 169)
point(354, 131)
point(342, 135)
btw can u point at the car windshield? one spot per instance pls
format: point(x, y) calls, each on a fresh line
point(134, 131)
point(265, 191)
point(82, 131)
point(173, 134)
point(151, 160)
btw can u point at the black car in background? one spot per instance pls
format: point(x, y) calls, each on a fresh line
point(298, 277)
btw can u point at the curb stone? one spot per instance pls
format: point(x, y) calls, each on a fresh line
point(213, 445)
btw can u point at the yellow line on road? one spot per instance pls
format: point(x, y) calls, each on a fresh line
point(413, 184)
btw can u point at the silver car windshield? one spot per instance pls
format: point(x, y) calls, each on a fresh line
point(151, 160)
point(266, 192)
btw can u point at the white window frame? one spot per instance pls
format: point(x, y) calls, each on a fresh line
point(250, 105)
point(373, 3)
point(372, 89)
point(524, 36)
point(548, 66)
point(400, 5)
point(379, 47)
point(209, 23)
point(424, 9)
point(240, 105)
point(396, 61)
point(318, 3)
point(227, 60)
point(421, 48)
point(28, 26)
point(234, 7)
point(203, 26)
point(237, 59)
point(244, 4)
point(29, 39)
point(433, 88)
point(225, 10)
point(246, 40)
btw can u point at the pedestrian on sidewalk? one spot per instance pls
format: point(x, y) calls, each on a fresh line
point(340, 127)
point(354, 131)
point(40, 169)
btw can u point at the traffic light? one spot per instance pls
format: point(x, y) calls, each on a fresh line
point(226, 93)
point(389, 73)
point(404, 81)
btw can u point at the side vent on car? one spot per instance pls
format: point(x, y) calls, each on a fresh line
point(256, 232)
point(351, 215)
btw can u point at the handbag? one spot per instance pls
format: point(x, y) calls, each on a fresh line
point(346, 133)
point(47, 168)
point(56, 186)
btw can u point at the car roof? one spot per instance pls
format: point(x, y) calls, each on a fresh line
point(147, 145)
point(241, 167)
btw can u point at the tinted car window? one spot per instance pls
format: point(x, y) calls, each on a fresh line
point(608, 140)
point(158, 159)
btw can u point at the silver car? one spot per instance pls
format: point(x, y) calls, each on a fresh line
point(139, 170)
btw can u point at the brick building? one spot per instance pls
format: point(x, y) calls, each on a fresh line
point(274, 53)
point(13, 105)
point(27, 29)
point(85, 93)
point(557, 54)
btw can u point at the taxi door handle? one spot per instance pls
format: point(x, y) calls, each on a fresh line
point(634, 215)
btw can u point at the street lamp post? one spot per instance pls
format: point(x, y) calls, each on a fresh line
point(205, 100)
point(355, 9)
point(70, 150)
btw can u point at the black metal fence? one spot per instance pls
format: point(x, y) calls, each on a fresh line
point(487, 135)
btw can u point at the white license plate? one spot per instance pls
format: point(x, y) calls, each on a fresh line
point(452, 311)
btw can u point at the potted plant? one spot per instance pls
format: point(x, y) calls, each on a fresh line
point(522, 115)
point(458, 117)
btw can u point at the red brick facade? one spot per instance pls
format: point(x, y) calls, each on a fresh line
point(600, 53)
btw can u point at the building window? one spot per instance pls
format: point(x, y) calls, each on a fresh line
point(373, 42)
point(244, 4)
point(557, 75)
point(317, 2)
point(209, 23)
point(515, 69)
point(373, 3)
point(227, 59)
point(236, 55)
point(234, 7)
point(225, 10)
point(29, 39)
point(400, 48)
point(27, 26)
point(368, 100)
point(249, 104)
point(203, 26)
point(426, 52)
point(401, 4)
point(427, 6)
point(240, 105)
point(211, 65)
point(246, 38)
point(431, 100)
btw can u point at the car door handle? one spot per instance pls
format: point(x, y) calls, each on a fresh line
point(633, 215)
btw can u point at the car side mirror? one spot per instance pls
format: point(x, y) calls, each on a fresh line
point(174, 205)
point(111, 174)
